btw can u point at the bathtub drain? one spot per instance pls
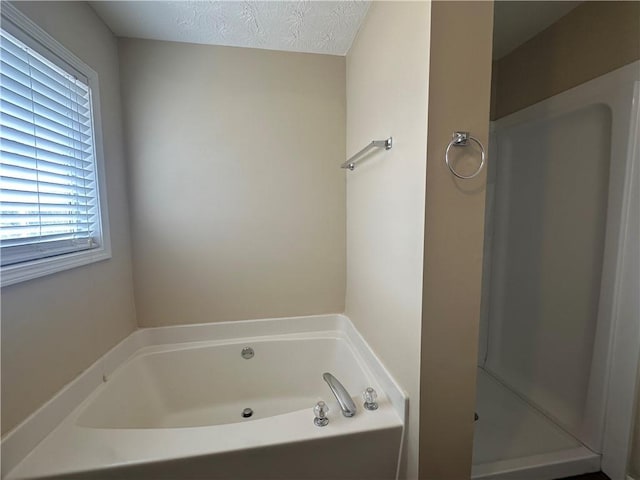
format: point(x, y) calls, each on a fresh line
point(247, 412)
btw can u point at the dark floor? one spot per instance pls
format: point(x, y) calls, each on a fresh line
point(589, 476)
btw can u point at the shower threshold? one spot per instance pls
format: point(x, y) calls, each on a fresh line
point(514, 441)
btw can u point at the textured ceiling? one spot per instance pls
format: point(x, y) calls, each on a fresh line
point(300, 26)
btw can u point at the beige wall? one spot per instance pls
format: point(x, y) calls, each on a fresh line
point(237, 201)
point(387, 82)
point(459, 94)
point(591, 40)
point(56, 326)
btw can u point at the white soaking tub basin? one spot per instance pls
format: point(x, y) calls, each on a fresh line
point(195, 386)
point(171, 407)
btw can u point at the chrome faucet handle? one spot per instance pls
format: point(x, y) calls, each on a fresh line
point(369, 396)
point(320, 411)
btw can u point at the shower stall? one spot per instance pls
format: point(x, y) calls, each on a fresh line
point(556, 382)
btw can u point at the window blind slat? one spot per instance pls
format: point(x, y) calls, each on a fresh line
point(39, 231)
point(39, 186)
point(18, 81)
point(9, 158)
point(15, 208)
point(74, 124)
point(22, 76)
point(66, 164)
point(11, 195)
point(36, 231)
point(35, 174)
point(38, 153)
point(43, 239)
point(39, 84)
point(46, 243)
point(10, 121)
point(45, 217)
point(48, 217)
point(29, 115)
point(40, 67)
point(43, 188)
point(62, 226)
point(66, 106)
point(32, 140)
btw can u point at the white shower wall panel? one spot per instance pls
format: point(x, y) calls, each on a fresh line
point(559, 170)
point(549, 240)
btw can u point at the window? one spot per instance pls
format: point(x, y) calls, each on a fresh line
point(50, 161)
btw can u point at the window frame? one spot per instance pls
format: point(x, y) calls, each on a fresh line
point(17, 24)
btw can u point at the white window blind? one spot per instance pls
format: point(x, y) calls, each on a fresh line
point(49, 202)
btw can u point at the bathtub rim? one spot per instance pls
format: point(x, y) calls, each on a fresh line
point(26, 436)
point(72, 450)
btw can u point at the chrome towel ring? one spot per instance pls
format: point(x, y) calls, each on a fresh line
point(461, 139)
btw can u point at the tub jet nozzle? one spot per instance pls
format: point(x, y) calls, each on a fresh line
point(247, 412)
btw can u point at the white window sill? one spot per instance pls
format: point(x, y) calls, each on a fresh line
point(22, 272)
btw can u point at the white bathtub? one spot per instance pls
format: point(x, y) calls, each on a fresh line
point(167, 403)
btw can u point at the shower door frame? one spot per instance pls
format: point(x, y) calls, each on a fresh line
point(624, 358)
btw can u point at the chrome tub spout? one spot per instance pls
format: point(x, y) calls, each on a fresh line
point(345, 401)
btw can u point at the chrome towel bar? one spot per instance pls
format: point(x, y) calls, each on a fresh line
point(351, 163)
